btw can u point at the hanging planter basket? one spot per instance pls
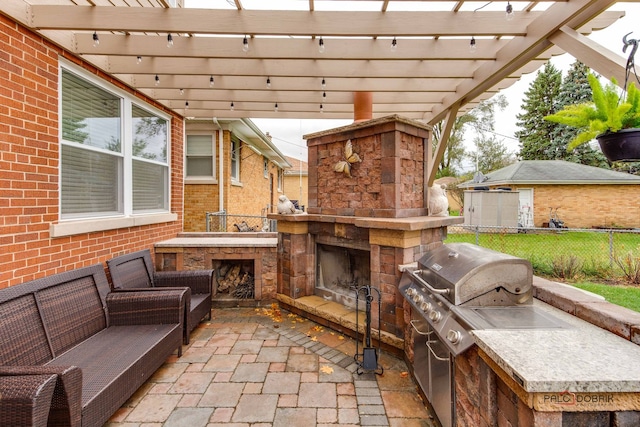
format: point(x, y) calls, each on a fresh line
point(621, 146)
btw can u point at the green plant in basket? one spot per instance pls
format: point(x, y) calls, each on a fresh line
point(608, 112)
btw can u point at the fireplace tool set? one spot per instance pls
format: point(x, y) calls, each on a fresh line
point(367, 360)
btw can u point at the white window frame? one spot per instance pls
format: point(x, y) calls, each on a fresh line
point(234, 168)
point(280, 179)
point(202, 179)
point(77, 224)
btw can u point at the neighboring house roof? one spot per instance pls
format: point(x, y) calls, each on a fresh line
point(298, 167)
point(252, 135)
point(552, 172)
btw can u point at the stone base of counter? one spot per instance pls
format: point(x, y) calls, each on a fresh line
point(488, 396)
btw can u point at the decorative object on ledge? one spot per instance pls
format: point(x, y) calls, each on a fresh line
point(349, 158)
point(286, 206)
point(438, 202)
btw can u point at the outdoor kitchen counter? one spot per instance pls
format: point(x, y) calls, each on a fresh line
point(580, 358)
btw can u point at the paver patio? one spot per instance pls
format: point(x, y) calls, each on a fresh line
point(263, 367)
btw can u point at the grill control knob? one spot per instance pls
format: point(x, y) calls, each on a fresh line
point(454, 336)
point(425, 306)
point(435, 316)
point(418, 299)
point(411, 292)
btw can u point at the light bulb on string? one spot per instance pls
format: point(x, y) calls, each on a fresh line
point(394, 45)
point(186, 105)
point(321, 45)
point(169, 40)
point(324, 95)
point(211, 81)
point(268, 83)
point(181, 92)
point(509, 12)
point(324, 83)
point(321, 109)
point(472, 45)
point(232, 106)
point(96, 39)
point(245, 44)
point(138, 59)
point(275, 107)
point(157, 80)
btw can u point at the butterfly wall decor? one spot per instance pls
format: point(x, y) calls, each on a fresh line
point(349, 158)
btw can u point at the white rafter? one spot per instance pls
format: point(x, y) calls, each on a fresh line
point(431, 73)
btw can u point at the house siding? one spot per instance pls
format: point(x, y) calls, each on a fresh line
point(29, 167)
point(587, 206)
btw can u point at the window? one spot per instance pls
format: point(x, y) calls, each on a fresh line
point(201, 159)
point(280, 179)
point(235, 160)
point(113, 152)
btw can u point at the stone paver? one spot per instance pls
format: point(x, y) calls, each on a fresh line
point(246, 369)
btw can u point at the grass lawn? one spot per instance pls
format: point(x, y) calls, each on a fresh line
point(625, 296)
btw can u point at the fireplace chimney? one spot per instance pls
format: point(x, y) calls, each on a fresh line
point(362, 106)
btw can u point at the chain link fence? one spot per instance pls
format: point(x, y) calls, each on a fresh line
point(562, 252)
point(221, 221)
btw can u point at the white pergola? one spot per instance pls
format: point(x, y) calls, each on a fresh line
point(433, 74)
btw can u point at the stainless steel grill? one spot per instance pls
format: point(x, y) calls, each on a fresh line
point(454, 289)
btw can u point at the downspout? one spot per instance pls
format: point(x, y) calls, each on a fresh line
point(220, 165)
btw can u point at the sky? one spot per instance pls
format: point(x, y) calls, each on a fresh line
point(287, 133)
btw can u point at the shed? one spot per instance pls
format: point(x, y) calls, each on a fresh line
point(582, 196)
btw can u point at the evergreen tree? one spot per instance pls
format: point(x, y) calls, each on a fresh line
point(540, 100)
point(574, 90)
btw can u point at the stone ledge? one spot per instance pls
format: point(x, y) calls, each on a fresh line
point(589, 307)
point(340, 315)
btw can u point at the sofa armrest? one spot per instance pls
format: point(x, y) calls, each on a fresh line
point(200, 281)
point(66, 403)
point(148, 306)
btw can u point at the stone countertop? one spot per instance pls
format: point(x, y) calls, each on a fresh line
point(580, 358)
point(231, 242)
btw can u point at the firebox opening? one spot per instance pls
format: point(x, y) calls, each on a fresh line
point(339, 272)
point(233, 279)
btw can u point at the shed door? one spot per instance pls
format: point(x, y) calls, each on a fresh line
point(525, 207)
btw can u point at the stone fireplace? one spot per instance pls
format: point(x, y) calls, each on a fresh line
point(361, 226)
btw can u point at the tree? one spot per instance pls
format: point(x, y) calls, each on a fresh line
point(574, 90)
point(540, 100)
point(492, 153)
point(481, 118)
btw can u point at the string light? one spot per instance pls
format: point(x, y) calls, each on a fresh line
point(245, 44)
point(186, 105)
point(509, 11)
point(321, 45)
point(169, 40)
point(324, 83)
point(275, 108)
point(268, 83)
point(324, 95)
point(211, 81)
point(321, 109)
point(157, 80)
point(138, 59)
point(181, 91)
point(472, 45)
point(96, 40)
point(232, 106)
point(394, 45)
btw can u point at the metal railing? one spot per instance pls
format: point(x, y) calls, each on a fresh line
point(566, 253)
point(221, 221)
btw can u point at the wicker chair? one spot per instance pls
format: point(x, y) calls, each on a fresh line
point(135, 271)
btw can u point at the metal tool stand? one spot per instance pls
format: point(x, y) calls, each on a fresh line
point(367, 360)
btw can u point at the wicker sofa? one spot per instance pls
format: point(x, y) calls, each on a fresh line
point(100, 346)
point(135, 271)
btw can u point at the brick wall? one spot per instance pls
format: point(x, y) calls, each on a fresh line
point(29, 166)
point(248, 197)
point(586, 206)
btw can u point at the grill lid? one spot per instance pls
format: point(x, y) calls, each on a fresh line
point(477, 276)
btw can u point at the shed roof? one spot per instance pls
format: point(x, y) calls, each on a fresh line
point(552, 172)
